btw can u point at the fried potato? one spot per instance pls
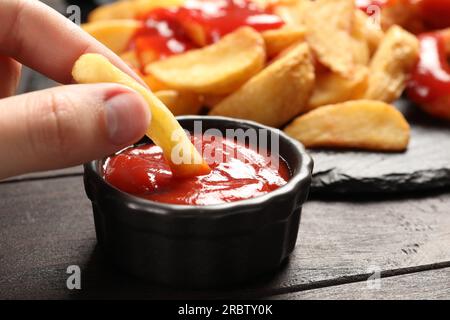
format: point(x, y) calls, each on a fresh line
point(358, 124)
point(405, 13)
point(216, 69)
point(131, 58)
point(369, 29)
point(360, 51)
point(333, 88)
point(154, 84)
point(164, 129)
point(360, 46)
point(291, 12)
point(128, 9)
point(391, 64)
point(276, 94)
point(328, 25)
point(115, 34)
point(180, 103)
point(211, 100)
point(279, 39)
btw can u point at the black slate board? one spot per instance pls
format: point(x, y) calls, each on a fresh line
point(425, 165)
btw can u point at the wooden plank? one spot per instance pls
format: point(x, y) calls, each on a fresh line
point(66, 172)
point(47, 225)
point(433, 284)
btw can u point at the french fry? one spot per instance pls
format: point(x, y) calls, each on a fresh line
point(115, 34)
point(279, 39)
point(216, 69)
point(331, 88)
point(129, 9)
point(358, 124)
point(328, 25)
point(180, 103)
point(391, 64)
point(164, 129)
point(276, 94)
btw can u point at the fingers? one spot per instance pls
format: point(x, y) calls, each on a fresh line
point(39, 37)
point(10, 73)
point(68, 125)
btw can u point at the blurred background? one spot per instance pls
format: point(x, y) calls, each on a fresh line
point(31, 80)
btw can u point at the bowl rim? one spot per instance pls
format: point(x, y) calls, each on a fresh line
point(299, 178)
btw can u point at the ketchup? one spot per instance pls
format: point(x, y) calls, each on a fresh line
point(161, 34)
point(242, 173)
point(435, 13)
point(220, 17)
point(430, 79)
point(168, 31)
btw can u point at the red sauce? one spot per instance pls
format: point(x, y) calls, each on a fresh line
point(220, 17)
point(430, 79)
point(168, 31)
point(161, 34)
point(241, 174)
point(435, 13)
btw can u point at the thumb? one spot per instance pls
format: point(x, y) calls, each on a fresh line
point(68, 125)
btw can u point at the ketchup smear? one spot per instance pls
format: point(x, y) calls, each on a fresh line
point(242, 173)
point(168, 31)
point(430, 78)
point(435, 13)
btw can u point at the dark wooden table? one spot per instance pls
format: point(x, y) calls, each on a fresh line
point(344, 244)
point(46, 225)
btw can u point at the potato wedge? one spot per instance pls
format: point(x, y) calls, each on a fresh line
point(328, 25)
point(279, 39)
point(131, 58)
point(211, 100)
point(291, 12)
point(128, 9)
point(218, 69)
point(154, 84)
point(276, 94)
point(333, 88)
point(360, 47)
point(180, 103)
point(359, 124)
point(115, 34)
point(369, 29)
point(164, 129)
point(391, 64)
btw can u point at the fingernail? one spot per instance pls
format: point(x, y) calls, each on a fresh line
point(126, 118)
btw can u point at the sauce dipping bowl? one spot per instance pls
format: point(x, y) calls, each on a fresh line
point(202, 246)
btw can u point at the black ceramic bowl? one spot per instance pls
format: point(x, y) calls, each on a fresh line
point(202, 246)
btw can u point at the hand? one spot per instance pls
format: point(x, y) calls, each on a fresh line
point(66, 125)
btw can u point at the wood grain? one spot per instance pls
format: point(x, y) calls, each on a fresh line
point(66, 172)
point(47, 225)
point(432, 284)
